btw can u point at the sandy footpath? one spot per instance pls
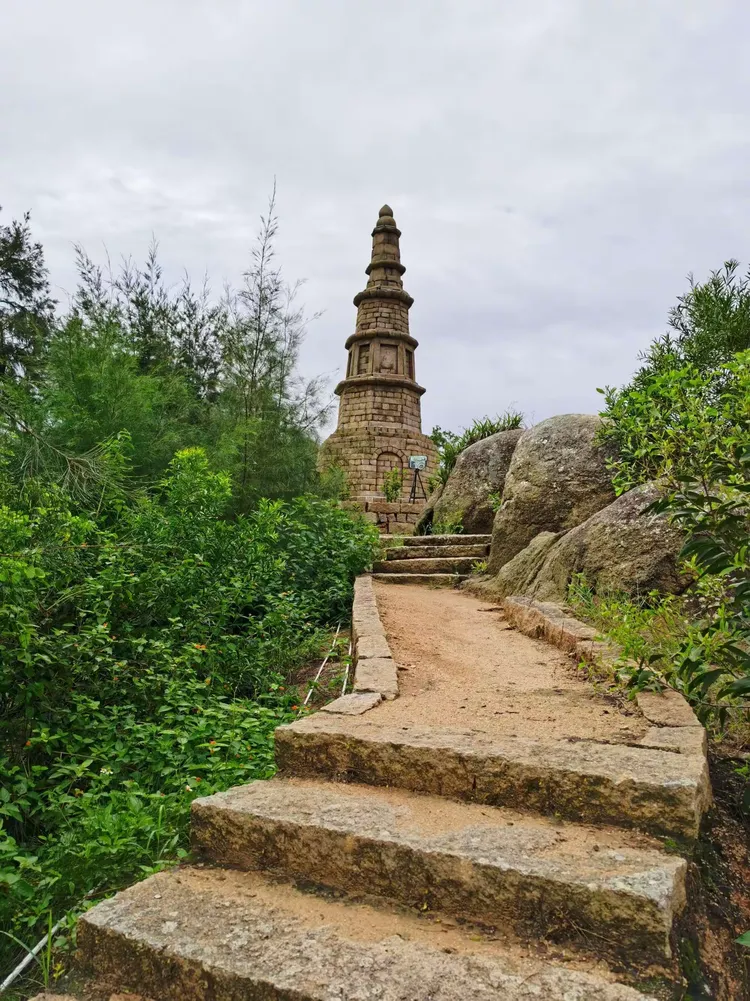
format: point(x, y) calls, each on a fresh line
point(461, 665)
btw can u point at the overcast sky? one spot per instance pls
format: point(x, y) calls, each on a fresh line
point(556, 167)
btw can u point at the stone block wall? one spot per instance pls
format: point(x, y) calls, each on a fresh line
point(394, 518)
point(390, 405)
point(389, 315)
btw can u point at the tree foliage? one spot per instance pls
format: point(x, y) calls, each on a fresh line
point(684, 421)
point(25, 304)
point(168, 366)
point(161, 573)
point(652, 420)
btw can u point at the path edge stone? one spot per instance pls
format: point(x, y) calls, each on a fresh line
point(674, 725)
point(374, 667)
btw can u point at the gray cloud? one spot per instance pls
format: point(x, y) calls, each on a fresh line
point(556, 168)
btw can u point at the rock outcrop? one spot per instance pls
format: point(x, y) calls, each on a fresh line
point(428, 514)
point(557, 478)
point(478, 477)
point(620, 548)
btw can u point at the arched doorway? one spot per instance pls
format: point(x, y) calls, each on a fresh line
point(385, 463)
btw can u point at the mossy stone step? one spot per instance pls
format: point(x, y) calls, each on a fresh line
point(447, 540)
point(206, 935)
point(426, 552)
point(459, 564)
point(664, 791)
point(432, 579)
point(539, 878)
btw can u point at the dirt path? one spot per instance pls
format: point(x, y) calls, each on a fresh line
point(461, 665)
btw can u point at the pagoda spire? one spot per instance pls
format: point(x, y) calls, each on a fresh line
point(385, 268)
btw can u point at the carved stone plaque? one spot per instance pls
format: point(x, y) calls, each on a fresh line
point(388, 357)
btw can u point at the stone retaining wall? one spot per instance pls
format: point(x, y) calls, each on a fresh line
point(391, 517)
point(375, 673)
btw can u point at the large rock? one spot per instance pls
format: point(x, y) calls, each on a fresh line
point(476, 479)
point(479, 474)
point(557, 478)
point(426, 518)
point(617, 549)
point(518, 575)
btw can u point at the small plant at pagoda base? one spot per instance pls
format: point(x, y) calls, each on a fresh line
point(479, 566)
point(393, 484)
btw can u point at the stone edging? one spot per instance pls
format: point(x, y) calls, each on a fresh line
point(674, 725)
point(375, 673)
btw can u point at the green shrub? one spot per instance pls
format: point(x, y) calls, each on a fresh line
point(393, 484)
point(144, 652)
point(690, 429)
point(450, 445)
point(668, 410)
point(452, 526)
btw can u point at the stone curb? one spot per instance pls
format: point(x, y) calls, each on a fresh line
point(375, 668)
point(546, 620)
point(674, 725)
point(375, 673)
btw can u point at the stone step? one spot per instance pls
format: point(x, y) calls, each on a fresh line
point(205, 935)
point(433, 579)
point(425, 552)
point(447, 540)
point(538, 878)
point(459, 564)
point(661, 791)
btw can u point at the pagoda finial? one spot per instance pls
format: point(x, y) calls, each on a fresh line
point(385, 267)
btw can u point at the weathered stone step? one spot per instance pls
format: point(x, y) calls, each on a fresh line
point(538, 878)
point(425, 552)
point(207, 935)
point(447, 540)
point(661, 791)
point(434, 579)
point(460, 564)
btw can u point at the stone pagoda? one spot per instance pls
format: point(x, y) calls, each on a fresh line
point(380, 419)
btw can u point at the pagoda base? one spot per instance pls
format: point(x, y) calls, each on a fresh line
point(390, 517)
point(366, 455)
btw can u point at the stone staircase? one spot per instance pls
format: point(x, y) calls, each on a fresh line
point(352, 875)
point(439, 560)
point(424, 863)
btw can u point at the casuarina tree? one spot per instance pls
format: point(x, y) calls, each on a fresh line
point(25, 303)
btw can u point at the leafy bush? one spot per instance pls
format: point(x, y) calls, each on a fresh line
point(674, 423)
point(144, 654)
point(690, 429)
point(450, 445)
point(667, 410)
